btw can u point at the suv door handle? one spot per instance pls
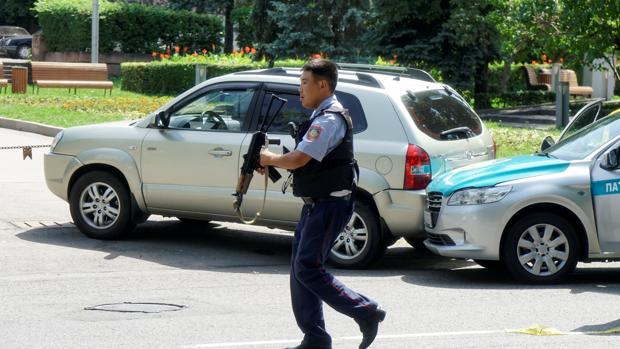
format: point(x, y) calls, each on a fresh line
point(219, 152)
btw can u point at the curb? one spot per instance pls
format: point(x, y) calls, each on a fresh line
point(28, 126)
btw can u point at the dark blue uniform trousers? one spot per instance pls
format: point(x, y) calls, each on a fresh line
point(319, 225)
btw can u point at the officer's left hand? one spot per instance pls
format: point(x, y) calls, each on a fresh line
point(266, 157)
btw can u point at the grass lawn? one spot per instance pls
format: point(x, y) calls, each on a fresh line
point(58, 107)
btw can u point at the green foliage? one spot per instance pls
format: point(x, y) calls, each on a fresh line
point(242, 19)
point(311, 26)
point(457, 37)
point(157, 78)
point(593, 34)
point(129, 28)
point(18, 13)
point(171, 77)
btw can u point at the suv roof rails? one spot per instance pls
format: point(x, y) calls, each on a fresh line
point(398, 71)
point(362, 79)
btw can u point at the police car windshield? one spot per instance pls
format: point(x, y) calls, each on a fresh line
point(585, 141)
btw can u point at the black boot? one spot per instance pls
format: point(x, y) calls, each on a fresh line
point(370, 327)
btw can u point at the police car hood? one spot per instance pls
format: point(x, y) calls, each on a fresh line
point(489, 173)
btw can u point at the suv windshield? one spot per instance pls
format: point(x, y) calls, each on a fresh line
point(442, 115)
point(582, 143)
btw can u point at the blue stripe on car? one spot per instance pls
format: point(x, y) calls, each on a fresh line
point(606, 187)
point(493, 172)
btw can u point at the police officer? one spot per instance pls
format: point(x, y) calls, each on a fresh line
point(324, 176)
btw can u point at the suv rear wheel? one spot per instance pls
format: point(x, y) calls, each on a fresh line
point(100, 206)
point(359, 244)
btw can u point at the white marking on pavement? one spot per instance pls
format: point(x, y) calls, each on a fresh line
point(342, 339)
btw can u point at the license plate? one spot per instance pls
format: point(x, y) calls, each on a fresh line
point(428, 220)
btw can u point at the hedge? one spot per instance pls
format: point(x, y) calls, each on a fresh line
point(167, 78)
point(123, 27)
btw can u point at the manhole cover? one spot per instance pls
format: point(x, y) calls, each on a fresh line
point(130, 307)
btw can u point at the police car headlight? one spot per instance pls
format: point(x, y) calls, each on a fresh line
point(477, 196)
point(55, 141)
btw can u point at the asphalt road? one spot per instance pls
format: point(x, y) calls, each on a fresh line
point(232, 283)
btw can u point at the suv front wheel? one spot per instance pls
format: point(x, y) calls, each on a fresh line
point(359, 244)
point(100, 206)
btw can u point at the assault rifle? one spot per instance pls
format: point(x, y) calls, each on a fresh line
point(251, 160)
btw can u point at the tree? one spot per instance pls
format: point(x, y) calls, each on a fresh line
point(18, 12)
point(264, 28)
point(593, 34)
point(319, 26)
point(457, 37)
point(223, 7)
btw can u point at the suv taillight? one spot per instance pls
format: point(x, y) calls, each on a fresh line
point(417, 168)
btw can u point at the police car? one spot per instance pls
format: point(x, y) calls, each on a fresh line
point(535, 215)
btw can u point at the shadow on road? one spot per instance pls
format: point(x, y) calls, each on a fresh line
point(244, 249)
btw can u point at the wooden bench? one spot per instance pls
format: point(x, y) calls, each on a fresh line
point(70, 75)
point(3, 82)
point(531, 80)
point(573, 86)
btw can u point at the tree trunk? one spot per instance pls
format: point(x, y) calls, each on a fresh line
point(481, 87)
point(506, 75)
point(228, 28)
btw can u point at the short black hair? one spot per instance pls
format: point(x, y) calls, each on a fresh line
point(323, 69)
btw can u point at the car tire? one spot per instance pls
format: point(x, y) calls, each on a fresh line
point(359, 244)
point(543, 259)
point(490, 265)
point(418, 244)
point(97, 216)
point(23, 52)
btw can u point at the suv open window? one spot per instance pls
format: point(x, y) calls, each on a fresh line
point(293, 111)
point(442, 115)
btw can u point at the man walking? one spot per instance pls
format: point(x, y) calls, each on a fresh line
point(324, 177)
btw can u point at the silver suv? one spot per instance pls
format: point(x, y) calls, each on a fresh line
point(408, 128)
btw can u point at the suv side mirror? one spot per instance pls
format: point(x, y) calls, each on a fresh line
point(546, 143)
point(610, 162)
point(162, 119)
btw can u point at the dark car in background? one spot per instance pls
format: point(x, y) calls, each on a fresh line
point(15, 42)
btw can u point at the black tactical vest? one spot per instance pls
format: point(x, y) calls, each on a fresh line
point(319, 179)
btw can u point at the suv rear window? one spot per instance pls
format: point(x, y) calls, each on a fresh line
point(442, 115)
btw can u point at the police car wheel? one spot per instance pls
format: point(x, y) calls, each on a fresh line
point(100, 206)
point(541, 248)
point(359, 244)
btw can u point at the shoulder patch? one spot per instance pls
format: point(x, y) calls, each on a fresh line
point(314, 132)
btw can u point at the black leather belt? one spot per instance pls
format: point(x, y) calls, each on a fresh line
point(311, 201)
